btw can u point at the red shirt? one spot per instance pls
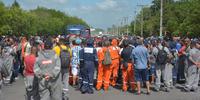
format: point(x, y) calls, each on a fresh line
point(29, 62)
point(180, 52)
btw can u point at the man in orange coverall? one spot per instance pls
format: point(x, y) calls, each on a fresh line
point(104, 72)
point(115, 61)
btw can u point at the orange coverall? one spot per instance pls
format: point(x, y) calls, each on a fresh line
point(115, 61)
point(104, 72)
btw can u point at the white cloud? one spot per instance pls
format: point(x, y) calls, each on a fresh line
point(85, 8)
point(60, 1)
point(79, 10)
point(49, 1)
point(107, 4)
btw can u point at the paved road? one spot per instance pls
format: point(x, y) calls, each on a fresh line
point(16, 92)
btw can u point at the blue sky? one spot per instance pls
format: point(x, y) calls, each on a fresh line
point(97, 13)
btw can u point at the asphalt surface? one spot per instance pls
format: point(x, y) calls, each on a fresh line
point(17, 91)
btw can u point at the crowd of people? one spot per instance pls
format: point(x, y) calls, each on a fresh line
point(50, 63)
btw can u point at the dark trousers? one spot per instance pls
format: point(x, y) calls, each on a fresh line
point(87, 76)
point(181, 68)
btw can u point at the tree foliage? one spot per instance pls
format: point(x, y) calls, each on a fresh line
point(179, 16)
point(16, 21)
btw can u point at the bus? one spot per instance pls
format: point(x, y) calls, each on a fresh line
point(78, 30)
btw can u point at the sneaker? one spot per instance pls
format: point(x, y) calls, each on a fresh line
point(186, 89)
point(156, 89)
point(90, 91)
point(171, 87)
point(148, 93)
point(167, 90)
point(98, 89)
point(124, 90)
point(105, 89)
point(83, 92)
point(138, 93)
point(195, 90)
point(16, 78)
point(65, 98)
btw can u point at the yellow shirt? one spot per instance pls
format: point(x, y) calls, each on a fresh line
point(57, 49)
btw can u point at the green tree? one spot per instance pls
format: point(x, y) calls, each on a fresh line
point(37, 21)
point(179, 17)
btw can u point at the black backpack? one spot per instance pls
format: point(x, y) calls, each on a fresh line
point(162, 56)
point(64, 58)
point(128, 58)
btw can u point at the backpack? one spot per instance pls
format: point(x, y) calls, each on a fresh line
point(107, 58)
point(128, 52)
point(64, 58)
point(162, 56)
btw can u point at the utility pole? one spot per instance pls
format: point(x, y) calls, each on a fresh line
point(119, 25)
point(127, 26)
point(142, 22)
point(121, 28)
point(142, 19)
point(117, 30)
point(161, 18)
point(135, 22)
